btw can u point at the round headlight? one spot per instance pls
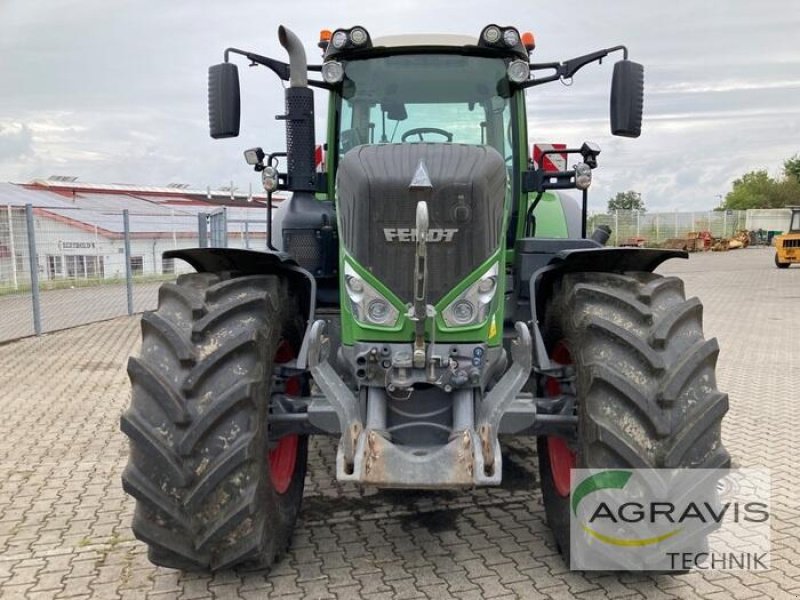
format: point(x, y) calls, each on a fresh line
point(269, 177)
point(511, 37)
point(358, 36)
point(339, 39)
point(463, 311)
point(519, 71)
point(492, 34)
point(332, 72)
point(486, 286)
point(354, 284)
point(583, 176)
point(378, 311)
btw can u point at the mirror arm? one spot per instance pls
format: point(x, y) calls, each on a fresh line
point(323, 85)
point(567, 69)
point(281, 69)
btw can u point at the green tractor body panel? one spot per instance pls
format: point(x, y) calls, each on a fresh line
point(489, 330)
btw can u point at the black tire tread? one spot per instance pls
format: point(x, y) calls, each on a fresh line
point(197, 424)
point(645, 376)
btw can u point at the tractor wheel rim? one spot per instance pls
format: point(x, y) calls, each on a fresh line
point(283, 457)
point(282, 462)
point(562, 458)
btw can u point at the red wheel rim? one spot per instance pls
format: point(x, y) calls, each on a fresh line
point(562, 458)
point(282, 461)
point(283, 457)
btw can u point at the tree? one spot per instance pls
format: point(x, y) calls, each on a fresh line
point(791, 167)
point(757, 189)
point(629, 200)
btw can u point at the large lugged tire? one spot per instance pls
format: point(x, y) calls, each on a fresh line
point(779, 264)
point(211, 490)
point(645, 377)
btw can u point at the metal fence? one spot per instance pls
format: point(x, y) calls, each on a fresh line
point(57, 272)
point(655, 228)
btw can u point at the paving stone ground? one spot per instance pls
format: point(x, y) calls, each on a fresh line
point(64, 520)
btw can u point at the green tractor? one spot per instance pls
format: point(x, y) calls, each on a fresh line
point(432, 290)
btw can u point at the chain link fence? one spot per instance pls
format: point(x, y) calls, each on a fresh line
point(653, 229)
point(59, 269)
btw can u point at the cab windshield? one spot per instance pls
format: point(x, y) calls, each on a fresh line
point(426, 97)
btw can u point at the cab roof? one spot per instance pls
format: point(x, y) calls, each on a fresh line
point(424, 39)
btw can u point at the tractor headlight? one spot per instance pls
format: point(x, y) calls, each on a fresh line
point(511, 37)
point(366, 303)
point(339, 39)
point(471, 307)
point(358, 36)
point(492, 34)
point(332, 71)
point(583, 176)
point(519, 71)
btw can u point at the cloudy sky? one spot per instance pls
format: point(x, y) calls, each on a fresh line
point(115, 91)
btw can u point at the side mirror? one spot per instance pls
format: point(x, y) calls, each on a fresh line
point(223, 101)
point(627, 99)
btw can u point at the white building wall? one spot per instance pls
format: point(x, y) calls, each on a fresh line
point(769, 219)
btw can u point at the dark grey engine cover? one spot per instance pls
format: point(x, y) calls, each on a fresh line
point(377, 210)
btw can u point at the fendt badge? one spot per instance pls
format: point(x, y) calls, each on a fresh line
point(400, 234)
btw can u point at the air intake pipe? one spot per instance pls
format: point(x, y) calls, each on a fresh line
point(300, 165)
point(309, 225)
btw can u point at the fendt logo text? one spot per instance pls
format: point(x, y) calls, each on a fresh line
point(400, 234)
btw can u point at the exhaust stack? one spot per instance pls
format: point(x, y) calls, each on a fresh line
point(299, 117)
point(298, 67)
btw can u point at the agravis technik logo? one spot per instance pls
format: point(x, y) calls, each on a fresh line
point(669, 519)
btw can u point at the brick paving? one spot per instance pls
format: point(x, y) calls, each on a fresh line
point(64, 520)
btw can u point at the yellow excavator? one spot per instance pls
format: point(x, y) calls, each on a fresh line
point(787, 246)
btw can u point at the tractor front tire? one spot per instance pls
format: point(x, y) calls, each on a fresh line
point(212, 490)
point(645, 382)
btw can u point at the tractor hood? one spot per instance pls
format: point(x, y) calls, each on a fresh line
point(378, 187)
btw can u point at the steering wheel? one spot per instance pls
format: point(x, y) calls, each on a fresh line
point(419, 131)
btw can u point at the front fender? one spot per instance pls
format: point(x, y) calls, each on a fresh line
point(255, 262)
point(613, 260)
point(608, 260)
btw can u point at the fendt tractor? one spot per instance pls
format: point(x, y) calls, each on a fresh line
point(433, 289)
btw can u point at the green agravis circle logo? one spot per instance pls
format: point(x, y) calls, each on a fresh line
point(605, 481)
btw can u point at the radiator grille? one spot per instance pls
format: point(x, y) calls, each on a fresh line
point(377, 211)
point(304, 246)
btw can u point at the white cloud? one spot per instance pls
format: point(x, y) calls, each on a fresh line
point(115, 91)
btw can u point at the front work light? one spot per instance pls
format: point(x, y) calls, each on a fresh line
point(518, 71)
point(358, 36)
point(511, 37)
point(332, 71)
point(583, 176)
point(492, 34)
point(254, 156)
point(339, 39)
point(269, 177)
